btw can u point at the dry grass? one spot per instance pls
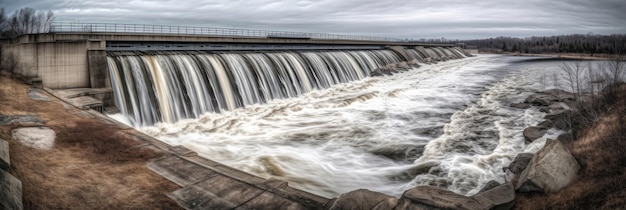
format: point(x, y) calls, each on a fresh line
point(601, 152)
point(90, 167)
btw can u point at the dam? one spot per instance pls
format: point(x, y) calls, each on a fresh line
point(160, 81)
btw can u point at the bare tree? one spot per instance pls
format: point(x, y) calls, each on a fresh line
point(555, 80)
point(26, 21)
point(3, 23)
point(615, 73)
point(617, 68)
point(574, 77)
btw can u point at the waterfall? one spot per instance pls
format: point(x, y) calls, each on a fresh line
point(152, 87)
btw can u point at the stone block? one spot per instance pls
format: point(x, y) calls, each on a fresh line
point(429, 197)
point(179, 170)
point(500, 197)
point(364, 199)
point(10, 192)
point(534, 132)
point(218, 192)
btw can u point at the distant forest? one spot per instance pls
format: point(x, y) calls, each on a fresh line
point(576, 43)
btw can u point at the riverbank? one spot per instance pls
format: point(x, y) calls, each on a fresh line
point(568, 56)
point(89, 166)
point(55, 121)
point(600, 149)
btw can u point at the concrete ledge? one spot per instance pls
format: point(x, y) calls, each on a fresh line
point(10, 191)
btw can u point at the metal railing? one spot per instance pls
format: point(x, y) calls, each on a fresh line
point(191, 30)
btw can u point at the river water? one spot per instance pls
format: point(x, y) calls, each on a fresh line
point(448, 124)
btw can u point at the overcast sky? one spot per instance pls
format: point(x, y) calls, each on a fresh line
point(452, 19)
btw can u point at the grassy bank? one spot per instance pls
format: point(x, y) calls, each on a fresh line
point(90, 166)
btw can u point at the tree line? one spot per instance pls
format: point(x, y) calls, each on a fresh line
point(576, 43)
point(24, 21)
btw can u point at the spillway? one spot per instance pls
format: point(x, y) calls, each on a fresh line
point(170, 86)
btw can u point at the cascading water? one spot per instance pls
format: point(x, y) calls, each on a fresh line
point(316, 120)
point(156, 88)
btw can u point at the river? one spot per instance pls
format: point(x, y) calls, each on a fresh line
point(448, 124)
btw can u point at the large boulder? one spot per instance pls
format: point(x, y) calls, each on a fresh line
point(520, 163)
point(561, 119)
point(429, 197)
point(500, 197)
point(364, 199)
point(561, 95)
point(490, 185)
point(550, 170)
point(546, 123)
point(540, 99)
point(566, 137)
point(534, 132)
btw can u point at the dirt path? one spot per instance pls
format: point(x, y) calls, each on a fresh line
point(90, 166)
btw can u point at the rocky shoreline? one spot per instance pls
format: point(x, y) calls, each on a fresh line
point(549, 170)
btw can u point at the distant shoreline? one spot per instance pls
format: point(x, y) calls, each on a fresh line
point(566, 56)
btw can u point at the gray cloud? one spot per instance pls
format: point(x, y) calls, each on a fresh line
point(454, 19)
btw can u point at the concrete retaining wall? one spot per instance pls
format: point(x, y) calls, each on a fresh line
point(59, 64)
point(10, 187)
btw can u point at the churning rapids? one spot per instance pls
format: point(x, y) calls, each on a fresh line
point(448, 124)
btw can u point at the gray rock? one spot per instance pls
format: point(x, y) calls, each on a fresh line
point(519, 164)
point(550, 170)
point(566, 137)
point(534, 132)
point(561, 118)
point(561, 95)
point(546, 123)
point(20, 119)
point(364, 199)
point(429, 197)
point(541, 99)
point(5, 160)
point(36, 94)
point(490, 185)
point(500, 197)
point(10, 192)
